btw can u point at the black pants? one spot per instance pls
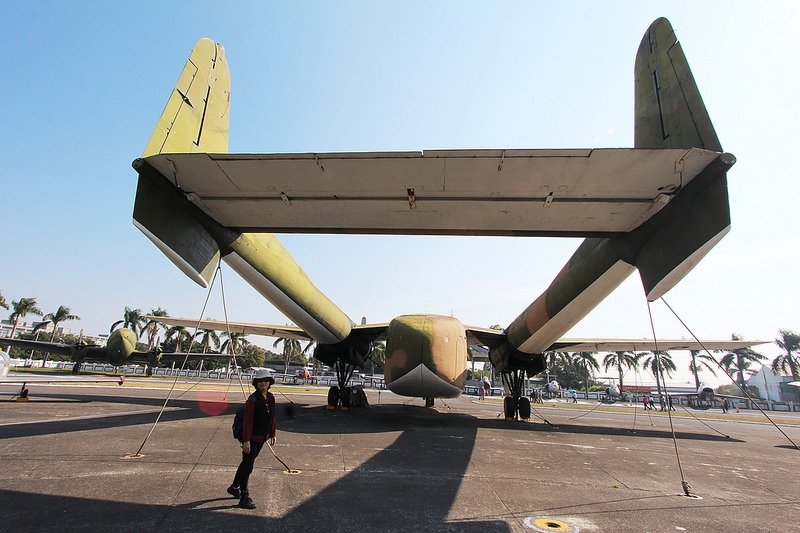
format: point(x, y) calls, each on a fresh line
point(246, 468)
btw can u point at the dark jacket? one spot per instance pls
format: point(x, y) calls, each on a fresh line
point(259, 418)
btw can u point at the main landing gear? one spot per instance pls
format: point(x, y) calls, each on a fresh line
point(341, 394)
point(516, 406)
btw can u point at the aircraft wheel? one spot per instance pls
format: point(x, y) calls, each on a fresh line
point(76, 368)
point(510, 407)
point(429, 402)
point(333, 397)
point(346, 397)
point(524, 408)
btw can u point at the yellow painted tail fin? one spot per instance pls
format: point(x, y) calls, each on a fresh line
point(196, 116)
point(195, 119)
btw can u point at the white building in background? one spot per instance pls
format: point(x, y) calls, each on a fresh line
point(772, 386)
point(6, 326)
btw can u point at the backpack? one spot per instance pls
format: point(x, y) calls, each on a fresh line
point(238, 423)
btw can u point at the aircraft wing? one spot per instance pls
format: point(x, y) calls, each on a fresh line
point(633, 345)
point(60, 379)
point(52, 347)
point(147, 357)
point(289, 332)
point(492, 337)
point(373, 331)
point(578, 192)
point(484, 336)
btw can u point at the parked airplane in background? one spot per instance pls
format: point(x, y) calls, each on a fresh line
point(658, 207)
point(120, 349)
point(704, 393)
point(5, 379)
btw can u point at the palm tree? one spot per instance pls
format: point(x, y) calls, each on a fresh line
point(553, 360)
point(788, 363)
point(291, 348)
point(588, 363)
point(666, 366)
point(235, 343)
point(619, 359)
point(152, 327)
point(208, 339)
point(699, 362)
point(62, 313)
point(21, 309)
point(132, 319)
point(3, 303)
point(377, 354)
point(739, 361)
point(180, 336)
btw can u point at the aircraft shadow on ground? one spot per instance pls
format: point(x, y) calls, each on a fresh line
point(303, 418)
point(411, 485)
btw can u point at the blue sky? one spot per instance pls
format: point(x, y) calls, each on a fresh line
point(84, 83)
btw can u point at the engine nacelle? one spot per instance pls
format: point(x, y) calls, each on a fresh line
point(426, 356)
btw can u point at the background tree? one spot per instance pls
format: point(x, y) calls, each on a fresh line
point(789, 362)
point(3, 303)
point(251, 355)
point(619, 359)
point(378, 355)
point(62, 314)
point(132, 319)
point(739, 361)
point(152, 326)
point(206, 339)
point(237, 344)
point(587, 362)
point(21, 309)
point(667, 367)
point(291, 351)
point(699, 362)
point(177, 339)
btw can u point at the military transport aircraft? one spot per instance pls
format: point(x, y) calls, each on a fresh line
point(120, 349)
point(658, 207)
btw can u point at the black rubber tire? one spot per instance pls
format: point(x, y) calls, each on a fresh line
point(510, 406)
point(346, 395)
point(524, 408)
point(333, 396)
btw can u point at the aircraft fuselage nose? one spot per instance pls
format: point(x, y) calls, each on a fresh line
point(426, 356)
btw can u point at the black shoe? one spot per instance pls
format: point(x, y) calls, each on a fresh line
point(235, 492)
point(247, 503)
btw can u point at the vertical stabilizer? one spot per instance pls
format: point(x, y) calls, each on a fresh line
point(669, 113)
point(196, 116)
point(195, 119)
point(669, 110)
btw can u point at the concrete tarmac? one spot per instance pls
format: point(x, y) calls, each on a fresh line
point(395, 466)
